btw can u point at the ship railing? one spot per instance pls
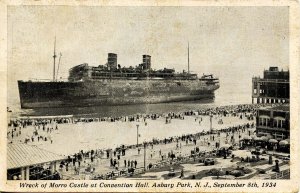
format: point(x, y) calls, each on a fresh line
point(212, 79)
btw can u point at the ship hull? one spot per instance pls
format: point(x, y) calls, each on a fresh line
point(114, 92)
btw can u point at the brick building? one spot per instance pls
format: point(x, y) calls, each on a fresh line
point(273, 122)
point(274, 87)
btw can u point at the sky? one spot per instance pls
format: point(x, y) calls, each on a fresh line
point(233, 43)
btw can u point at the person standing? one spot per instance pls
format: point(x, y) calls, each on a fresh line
point(111, 162)
point(181, 173)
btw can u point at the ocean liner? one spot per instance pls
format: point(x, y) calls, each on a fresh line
point(111, 84)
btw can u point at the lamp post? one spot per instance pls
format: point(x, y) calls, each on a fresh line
point(144, 156)
point(239, 138)
point(210, 119)
point(137, 135)
point(219, 140)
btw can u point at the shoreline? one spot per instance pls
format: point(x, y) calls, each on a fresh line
point(89, 115)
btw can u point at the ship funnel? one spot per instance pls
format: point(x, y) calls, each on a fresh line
point(146, 62)
point(112, 60)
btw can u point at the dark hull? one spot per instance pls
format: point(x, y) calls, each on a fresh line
point(107, 93)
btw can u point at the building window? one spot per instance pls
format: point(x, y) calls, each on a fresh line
point(264, 120)
point(261, 121)
point(279, 122)
point(267, 122)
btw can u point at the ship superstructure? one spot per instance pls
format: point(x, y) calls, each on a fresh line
point(112, 70)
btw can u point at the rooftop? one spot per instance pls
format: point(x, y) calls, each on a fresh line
point(22, 155)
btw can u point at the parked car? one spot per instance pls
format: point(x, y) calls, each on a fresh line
point(209, 161)
point(286, 158)
point(171, 172)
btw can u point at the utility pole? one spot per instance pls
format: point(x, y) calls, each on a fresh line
point(144, 156)
point(210, 119)
point(137, 135)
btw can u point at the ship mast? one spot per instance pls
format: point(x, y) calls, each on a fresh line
point(60, 55)
point(54, 57)
point(188, 58)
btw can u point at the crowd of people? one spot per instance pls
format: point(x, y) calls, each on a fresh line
point(36, 173)
point(248, 110)
point(119, 163)
point(42, 130)
point(43, 127)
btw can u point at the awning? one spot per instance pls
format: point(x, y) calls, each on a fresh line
point(264, 138)
point(264, 116)
point(273, 141)
point(23, 155)
point(283, 142)
point(279, 118)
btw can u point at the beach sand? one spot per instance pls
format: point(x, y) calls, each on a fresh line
point(73, 137)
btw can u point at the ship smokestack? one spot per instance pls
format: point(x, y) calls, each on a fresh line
point(112, 61)
point(146, 62)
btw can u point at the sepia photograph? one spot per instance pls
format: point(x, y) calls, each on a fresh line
point(148, 94)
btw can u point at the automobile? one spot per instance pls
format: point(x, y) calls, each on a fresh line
point(259, 152)
point(209, 161)
point(201, 160)
point(286, 158)
point(242, 148)
point(171, 172)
